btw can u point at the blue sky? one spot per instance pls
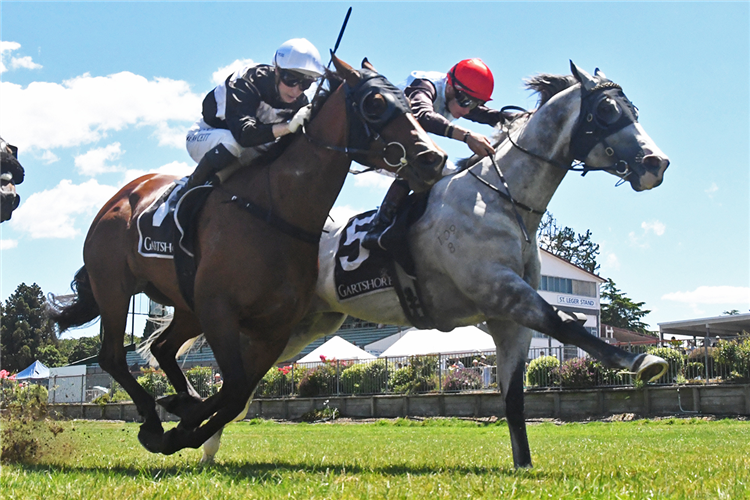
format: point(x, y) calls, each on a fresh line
point(95, 94)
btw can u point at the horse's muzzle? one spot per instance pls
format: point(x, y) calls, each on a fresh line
point(650, 172)
point(427, 167)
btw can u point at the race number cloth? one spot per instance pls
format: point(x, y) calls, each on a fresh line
point(358, 271)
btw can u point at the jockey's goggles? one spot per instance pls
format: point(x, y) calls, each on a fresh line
point(294, 79)
point(465, 100)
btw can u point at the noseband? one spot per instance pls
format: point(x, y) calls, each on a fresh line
point(374, 102)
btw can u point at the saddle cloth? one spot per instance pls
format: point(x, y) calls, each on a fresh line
point(156, 226)
point(168, 221)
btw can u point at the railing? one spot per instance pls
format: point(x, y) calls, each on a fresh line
point(450, 372)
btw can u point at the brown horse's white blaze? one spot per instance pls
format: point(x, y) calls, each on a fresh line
point(254, 281)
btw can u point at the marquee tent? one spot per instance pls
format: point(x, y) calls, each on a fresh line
point(337, 348)
point(34, 371)
point(465, 339)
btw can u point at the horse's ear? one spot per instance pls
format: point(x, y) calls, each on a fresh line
point(586, 80)
point(349, 74)
point(600, 74)
point(368, 65)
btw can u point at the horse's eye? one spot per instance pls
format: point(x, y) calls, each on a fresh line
point(374, 105)
point(607, 111)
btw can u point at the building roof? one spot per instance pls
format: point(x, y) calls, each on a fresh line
point(724, 326)
point(625, 336)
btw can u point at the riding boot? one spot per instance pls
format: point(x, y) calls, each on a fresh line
point(377, 236)
point(213, 161)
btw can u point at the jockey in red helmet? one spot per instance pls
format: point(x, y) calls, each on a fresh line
point(438, 99)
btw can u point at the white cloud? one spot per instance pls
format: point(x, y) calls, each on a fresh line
point(657, 227)
point(24, 62)
point(49, 157)
point(15, 62)
point(638, 240)
point(54, 213)
point(735, 295)
point(86, 108)
point(221, 74)
point(94, 162)
point(373, 180)
point(713, 188)
point(8, 244)
point(611, 261)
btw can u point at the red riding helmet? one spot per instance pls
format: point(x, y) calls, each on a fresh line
point(473, 77)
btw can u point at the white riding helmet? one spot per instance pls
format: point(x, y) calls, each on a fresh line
point(298, 54)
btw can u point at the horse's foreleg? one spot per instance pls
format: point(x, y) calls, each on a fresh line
point(183, 327)
point(512, 342)
point(518, 301)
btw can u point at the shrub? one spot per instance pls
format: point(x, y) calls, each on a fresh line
point(25, 428)
point(419, 375)
point(318, 381)
point(155, 382)
point(694, 370)
point(674, 358)
point(578, 372)
point(539, 372)
point(365, 378)
point(733, 358)
point(462, 379)
point(202, 380)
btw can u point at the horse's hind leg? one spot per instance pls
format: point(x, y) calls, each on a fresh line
point(113, 303)
point(183, 327)
point(512, 342)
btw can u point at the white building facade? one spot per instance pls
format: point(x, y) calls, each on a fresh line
point(570, 289)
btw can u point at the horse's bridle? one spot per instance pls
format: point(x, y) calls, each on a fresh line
point(370, 122)
point(593, 127)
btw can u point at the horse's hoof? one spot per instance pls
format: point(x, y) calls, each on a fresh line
point(151, 438)
point(648, 367)
point(174, 440)
point(179, 404)
point(207, 459)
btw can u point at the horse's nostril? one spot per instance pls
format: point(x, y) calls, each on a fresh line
point(430, 159)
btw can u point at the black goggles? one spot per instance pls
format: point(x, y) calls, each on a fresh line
point(465, 100)
point(294, 79)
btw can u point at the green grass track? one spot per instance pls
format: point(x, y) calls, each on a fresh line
point(670, 458)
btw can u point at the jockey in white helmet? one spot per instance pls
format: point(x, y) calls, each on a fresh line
point(253, 109)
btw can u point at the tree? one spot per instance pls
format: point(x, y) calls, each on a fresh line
point(26, 330)
point(81, 348)
point(733, 312)
point(578, 249)
point(621, 311)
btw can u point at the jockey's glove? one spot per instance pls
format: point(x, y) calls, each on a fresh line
point(301, 117)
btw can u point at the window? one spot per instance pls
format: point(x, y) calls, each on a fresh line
point(567, 285)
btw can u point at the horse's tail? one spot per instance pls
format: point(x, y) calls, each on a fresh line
point(76, 309)
point(162, 323)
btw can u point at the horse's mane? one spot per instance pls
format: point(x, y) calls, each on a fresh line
point(547, 85)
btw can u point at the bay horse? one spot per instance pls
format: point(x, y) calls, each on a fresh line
point(473, 263)
point(254, 280)
point(11, 174)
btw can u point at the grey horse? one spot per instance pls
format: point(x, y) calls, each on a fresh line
point(475, 260)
